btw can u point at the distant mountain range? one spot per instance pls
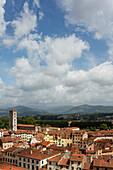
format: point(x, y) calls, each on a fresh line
point(82, 109)
point(25, 111)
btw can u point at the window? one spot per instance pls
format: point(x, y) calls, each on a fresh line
point(36, 167)
point(28, 166)
point(36, 162)
point(24, 159)
point(20, 158)
point(32, 167)
point(24, 165)
point(49, 163)
point(20, 164)
point(32, 161)
point(78, 163)
point(28, 160)
point(42, 162)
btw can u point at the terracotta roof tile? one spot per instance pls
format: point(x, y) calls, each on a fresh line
point(23, 125)
point(102, 163)
point(5, 166)
point(37, 154)
point(77, 157)
point(64, 162)
point(56, 158)
point(86, 166)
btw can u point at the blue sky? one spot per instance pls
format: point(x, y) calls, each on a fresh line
point(56, 52)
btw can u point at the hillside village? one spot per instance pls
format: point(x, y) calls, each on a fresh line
point(42, 148)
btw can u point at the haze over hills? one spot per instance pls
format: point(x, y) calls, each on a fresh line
point(26, 111)
point(82, 109)
point(91, 109)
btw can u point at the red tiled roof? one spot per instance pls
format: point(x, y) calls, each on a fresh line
point(2, 130)
point(73, 128)
point(45, 143)
point(55, 159)
point(37, 154)
point(77, 157)
point(64, 162)
point(86, 166)
point(102, 163)
point(5, 166)
point(26, 125)
point(6, 139)
point(11, 149)
point(50, 128)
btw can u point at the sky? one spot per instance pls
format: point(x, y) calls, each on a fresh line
point(56, 52)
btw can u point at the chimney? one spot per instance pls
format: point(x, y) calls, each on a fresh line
point(31, 152)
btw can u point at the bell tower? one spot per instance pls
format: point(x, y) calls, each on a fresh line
point(13, 120)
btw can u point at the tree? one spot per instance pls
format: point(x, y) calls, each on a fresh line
point(29, 120)
point(103, 127)
point(93, 128)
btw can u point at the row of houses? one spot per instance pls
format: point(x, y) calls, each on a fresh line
point(56, 158)
point(58, 149)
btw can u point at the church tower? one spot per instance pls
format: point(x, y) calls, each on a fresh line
point(13, 120)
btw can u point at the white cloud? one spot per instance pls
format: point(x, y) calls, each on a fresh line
point(75, 78)
point(26, 23)
point(93, 87)
point(94, 15)
point(46, 76)
point(37, 3)
point(37, 87)
point(36, 82)
point(2, 20)
point(22, 66)
point(60, 50)
point(41, 15)
point(101, 75)
point(53, 82)
point(41, 80)
point(1, 83)
point(57, 53)
point(9, 41)
point(64, 49)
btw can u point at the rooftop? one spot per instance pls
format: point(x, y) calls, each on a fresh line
point(5, 166)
